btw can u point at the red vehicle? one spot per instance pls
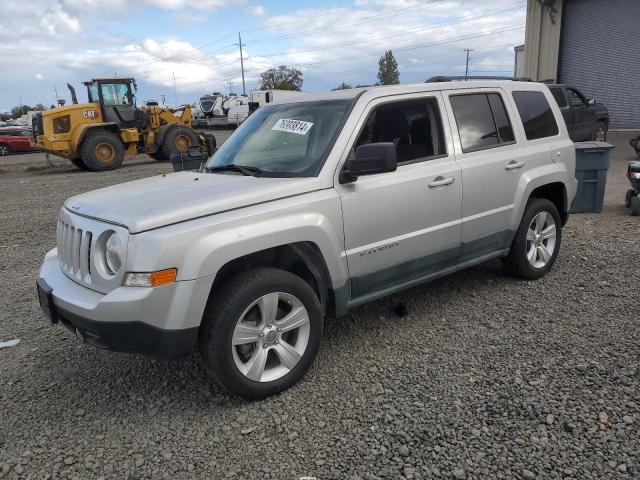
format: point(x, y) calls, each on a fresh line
point(14, 139)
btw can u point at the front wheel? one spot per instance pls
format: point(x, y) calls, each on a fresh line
point(261, 332)
point(537, 241)
point(102, 151)
point(634, 204)
point(4, 149)
point(178, 140)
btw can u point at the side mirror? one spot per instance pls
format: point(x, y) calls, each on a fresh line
point(591, 102)
point(189, 160)
point(370, 159)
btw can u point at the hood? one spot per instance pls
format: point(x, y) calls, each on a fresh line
point(176, 197)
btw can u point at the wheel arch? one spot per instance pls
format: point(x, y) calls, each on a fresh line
point(303, 259)
point(81, 133)
point(556, 192)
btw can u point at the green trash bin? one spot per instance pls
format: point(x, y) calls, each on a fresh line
point(592, 164)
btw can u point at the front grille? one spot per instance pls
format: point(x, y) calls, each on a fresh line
point(74, 251)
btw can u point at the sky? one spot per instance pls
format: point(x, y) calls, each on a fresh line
point(46, 43)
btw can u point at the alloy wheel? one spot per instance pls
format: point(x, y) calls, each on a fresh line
point(270, 337)
point(541, 239)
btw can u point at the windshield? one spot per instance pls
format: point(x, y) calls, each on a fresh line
point(284, 140)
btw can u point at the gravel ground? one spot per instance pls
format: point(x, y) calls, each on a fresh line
point(486, 377)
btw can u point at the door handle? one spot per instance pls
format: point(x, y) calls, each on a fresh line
point(441, 182)
point(513, 165)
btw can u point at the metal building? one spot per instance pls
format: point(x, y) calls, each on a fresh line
point(591, 44)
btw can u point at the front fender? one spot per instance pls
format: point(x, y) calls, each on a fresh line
point(201, 247)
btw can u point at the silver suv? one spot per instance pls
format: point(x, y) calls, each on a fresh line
point(312, 207)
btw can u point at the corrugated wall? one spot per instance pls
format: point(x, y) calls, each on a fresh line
point(600, 54)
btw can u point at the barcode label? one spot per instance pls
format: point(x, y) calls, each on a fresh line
point(292, 126)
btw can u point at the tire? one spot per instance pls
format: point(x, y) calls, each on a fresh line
point(628, 196)
point(102, 151)
point(175, 140)
point(79, 163)
point(4, 149)
point(525, 245)
point(238, 303)
point(634, 204)
point(159, 156)
point(600, 132)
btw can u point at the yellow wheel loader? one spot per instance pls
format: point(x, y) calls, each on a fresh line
point(96, 135)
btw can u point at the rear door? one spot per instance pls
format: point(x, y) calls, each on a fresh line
point(404, 226)
point(489, 154)
point(559, 95)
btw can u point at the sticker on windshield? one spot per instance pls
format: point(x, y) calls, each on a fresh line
point(292, 126)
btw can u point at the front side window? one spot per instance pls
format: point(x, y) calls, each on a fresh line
point(414, 126)
point(558, 94)
point(575, 98)
point(289, 140)
point(482, 121)
point(115, 94)
point(94, 96)
point(536, 115)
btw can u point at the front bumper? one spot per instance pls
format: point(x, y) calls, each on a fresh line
point(160, 322)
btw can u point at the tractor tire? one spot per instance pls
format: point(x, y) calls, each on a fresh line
point(102, 151)
point(178, 139)
point(79, 163)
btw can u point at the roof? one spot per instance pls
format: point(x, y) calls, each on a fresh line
point(384, 90)
point(116, 79)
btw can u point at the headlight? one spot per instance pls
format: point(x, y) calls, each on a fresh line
point(62, 124)
point(113, 253)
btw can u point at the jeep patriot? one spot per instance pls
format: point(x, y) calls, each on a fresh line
point(313, 206)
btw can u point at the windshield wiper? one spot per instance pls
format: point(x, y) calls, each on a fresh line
point(232, 167)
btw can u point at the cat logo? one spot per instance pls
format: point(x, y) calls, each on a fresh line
point(89, 114)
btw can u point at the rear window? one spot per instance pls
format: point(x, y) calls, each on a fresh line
point(536, 115)
point(482, 121)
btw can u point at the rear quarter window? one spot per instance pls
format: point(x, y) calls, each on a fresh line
point(536, 115)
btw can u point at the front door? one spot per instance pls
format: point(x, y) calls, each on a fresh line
point(584, 124)
point(117, 104)
point(403, 227)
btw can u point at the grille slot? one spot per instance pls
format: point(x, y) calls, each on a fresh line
point(74, 250)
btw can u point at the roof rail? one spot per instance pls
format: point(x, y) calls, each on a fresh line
point(445, 78)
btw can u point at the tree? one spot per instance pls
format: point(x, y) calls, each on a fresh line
point(39, 107)
point(17, 112)
point(342, 86)
point(388, 69)
point(281, 78)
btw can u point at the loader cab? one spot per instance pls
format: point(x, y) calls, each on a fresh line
point(116, 97)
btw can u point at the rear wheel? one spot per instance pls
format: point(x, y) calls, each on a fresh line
point(4, 149)
point(634, 204)
point(600, 132)
point(261, 332)
point(178, 139)
point(629, 195)
point(537, 241)
point(102, 151)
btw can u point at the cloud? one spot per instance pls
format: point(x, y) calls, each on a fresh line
point(69, 40)
point(38, 76)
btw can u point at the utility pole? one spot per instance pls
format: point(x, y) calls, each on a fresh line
point(55, 89)
point(466, 69)
point(244, 91)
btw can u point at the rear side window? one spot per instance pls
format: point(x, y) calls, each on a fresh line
point(558, 94)
point(482, 121)
point(536, 115)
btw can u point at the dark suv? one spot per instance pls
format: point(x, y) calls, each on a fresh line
point(585, 119)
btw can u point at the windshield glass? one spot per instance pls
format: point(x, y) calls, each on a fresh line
point(284, 140)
